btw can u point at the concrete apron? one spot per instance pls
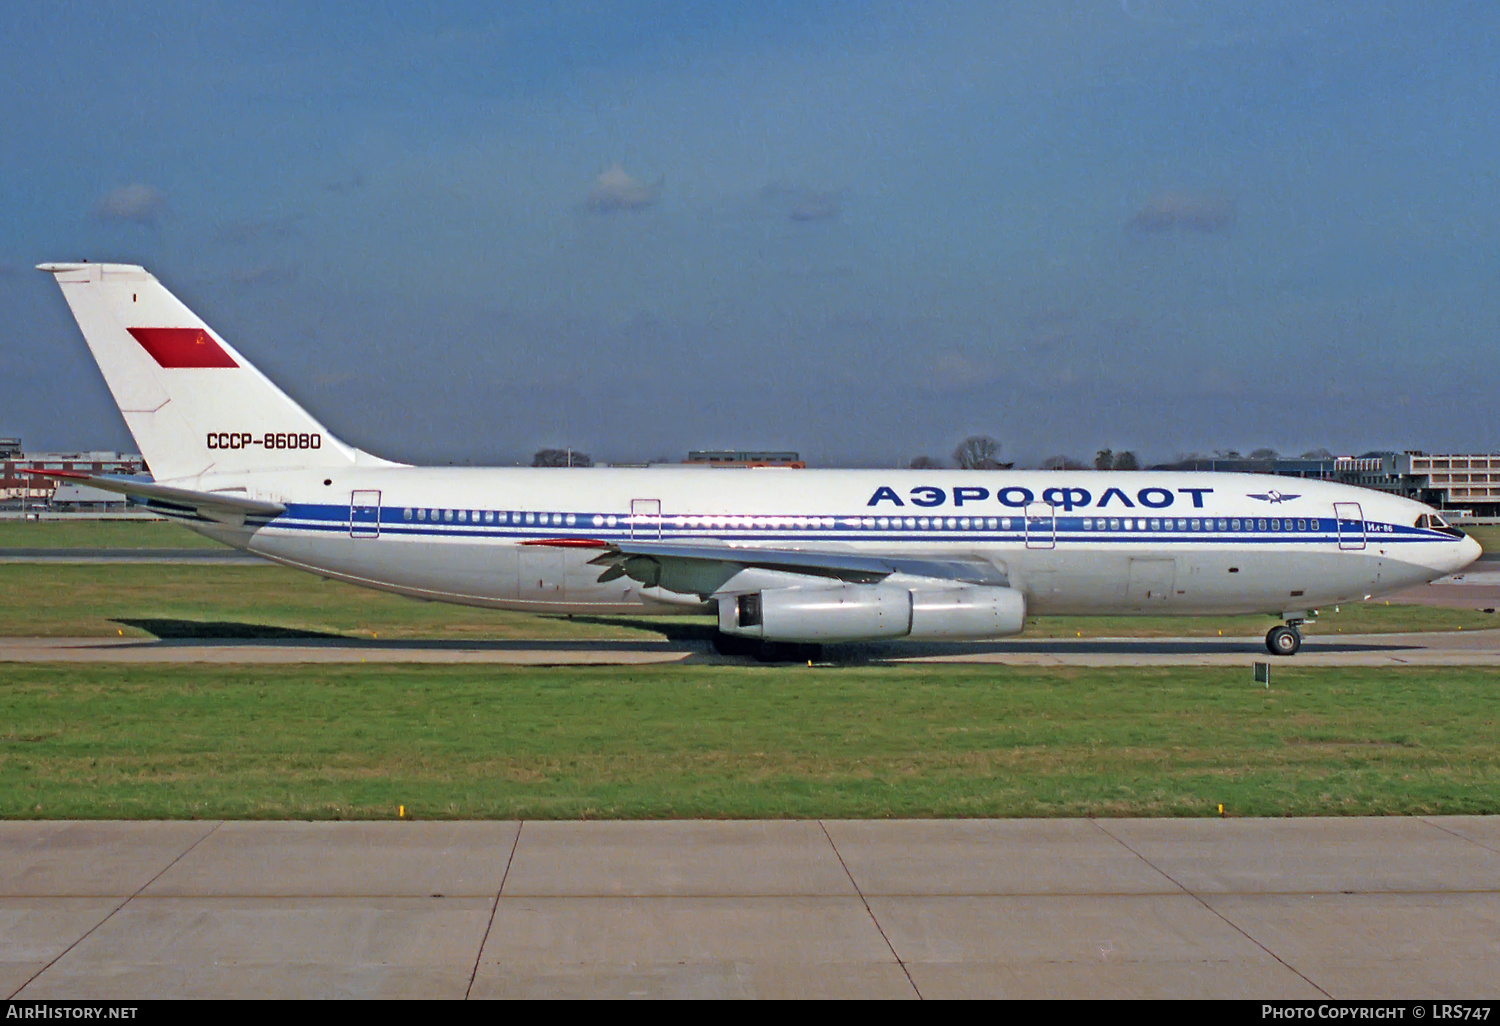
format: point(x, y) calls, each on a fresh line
point(1285, 908)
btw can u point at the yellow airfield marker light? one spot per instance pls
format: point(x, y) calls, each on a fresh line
point(401, 811)
point(1221, 808)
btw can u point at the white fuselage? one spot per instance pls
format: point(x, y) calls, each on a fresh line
point(1073, 542)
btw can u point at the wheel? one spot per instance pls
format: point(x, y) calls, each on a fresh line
point(1283, 641)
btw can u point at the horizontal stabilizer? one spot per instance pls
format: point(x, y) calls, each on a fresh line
point(212, 505)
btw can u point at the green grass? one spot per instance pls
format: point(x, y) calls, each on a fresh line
point(320, 741)
point(100, 534)
point(165, 600)
point(1488, 536)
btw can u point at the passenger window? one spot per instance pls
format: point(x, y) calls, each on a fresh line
point(572, 520)
point(1114, 525)
point(1005, 523)
point(463, 516)
point(448, 515)
point(1302, 525)
point(1262, 525)
point(1156, 525)
point(1088, 524)
point(991, 523)
point(1314, 525)
point(421, 514)
point(911, 523)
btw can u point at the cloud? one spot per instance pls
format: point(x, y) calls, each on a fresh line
point(141, 204)
point(616, 190)
point(1172, 211)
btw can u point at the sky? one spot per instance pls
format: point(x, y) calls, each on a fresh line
point(863, 231)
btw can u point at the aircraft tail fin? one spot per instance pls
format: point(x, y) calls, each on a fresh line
point(193, 403)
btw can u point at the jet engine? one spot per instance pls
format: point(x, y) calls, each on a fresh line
point(864, 612)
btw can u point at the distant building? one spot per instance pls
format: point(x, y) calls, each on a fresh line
point(18, 489)
point(81, 498)
point(745, 458)
point(1467, 484)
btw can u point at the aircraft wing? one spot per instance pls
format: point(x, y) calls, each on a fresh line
point(211, 505)
point(643, 560)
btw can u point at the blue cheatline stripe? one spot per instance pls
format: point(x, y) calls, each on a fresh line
point(392, 521)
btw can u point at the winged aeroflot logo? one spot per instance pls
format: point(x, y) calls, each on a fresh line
point(1273, 497)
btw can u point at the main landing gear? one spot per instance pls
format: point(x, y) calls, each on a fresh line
point(1284, 640)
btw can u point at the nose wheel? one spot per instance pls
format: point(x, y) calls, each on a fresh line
point(1284, 640)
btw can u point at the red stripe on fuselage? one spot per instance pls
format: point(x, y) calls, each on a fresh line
point(182, 347)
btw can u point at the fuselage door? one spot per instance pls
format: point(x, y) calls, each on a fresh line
point(364, 514)
point(1351, 524)
point(645, 519)
point(1041, 526)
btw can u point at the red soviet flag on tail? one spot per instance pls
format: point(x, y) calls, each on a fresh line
point(182, 347)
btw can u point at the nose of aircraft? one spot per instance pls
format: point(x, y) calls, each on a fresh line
point(1468, 551)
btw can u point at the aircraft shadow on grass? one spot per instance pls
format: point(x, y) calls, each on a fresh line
point(222, 630)
point(213, 631)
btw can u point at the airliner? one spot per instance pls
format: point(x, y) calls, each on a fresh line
point(786, 559)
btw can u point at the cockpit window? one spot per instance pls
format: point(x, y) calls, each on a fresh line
point(1433, 522)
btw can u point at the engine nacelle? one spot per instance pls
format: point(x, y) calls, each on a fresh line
point(849, 612)
point(968, 613)
point(865, 612)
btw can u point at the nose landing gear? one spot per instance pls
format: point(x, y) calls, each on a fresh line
point(1284, 640)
